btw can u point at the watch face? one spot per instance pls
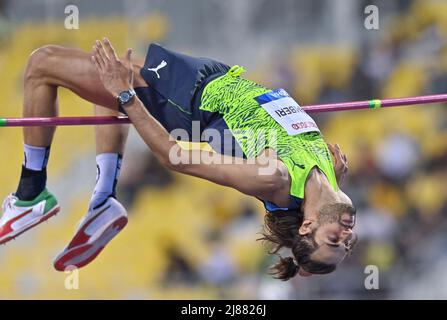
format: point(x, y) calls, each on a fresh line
point(125, 96)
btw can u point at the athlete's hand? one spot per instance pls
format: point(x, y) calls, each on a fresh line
point(340, 162)
point(116, 75)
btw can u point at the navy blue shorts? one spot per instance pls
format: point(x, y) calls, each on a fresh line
point(175, 83)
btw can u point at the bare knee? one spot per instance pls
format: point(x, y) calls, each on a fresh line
point(40, 63)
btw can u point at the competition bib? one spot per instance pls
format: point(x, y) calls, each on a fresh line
point(286, 112)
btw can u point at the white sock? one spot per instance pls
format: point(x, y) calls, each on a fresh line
point(36, 158)
point(108, 167)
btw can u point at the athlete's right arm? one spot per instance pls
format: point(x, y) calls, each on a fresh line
point(266, 177)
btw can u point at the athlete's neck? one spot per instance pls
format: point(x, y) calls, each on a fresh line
point(317, 193)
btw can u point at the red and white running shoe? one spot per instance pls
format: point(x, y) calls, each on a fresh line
point(95, 230)
point(19, 216)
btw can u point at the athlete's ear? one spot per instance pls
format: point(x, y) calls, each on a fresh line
point(305, 227)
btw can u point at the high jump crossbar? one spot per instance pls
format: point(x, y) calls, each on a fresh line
point(317, 108)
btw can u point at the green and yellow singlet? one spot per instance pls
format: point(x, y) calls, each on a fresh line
point(252, 111)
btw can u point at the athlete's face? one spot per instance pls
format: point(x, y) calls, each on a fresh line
point(333, 234)
point(335, 237)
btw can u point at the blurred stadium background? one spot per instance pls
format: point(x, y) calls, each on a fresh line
point(190, 239)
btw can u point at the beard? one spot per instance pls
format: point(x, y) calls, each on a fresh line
point(335, 212)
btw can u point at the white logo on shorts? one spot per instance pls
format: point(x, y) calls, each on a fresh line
point(160, 66)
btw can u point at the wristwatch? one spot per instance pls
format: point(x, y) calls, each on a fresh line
point(126, 96)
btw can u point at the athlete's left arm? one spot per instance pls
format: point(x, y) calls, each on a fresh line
point(340, 163)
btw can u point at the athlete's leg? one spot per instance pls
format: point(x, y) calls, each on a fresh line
point(105, 216)
point(110, 138)
point(110, 143)
point(48, 68)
